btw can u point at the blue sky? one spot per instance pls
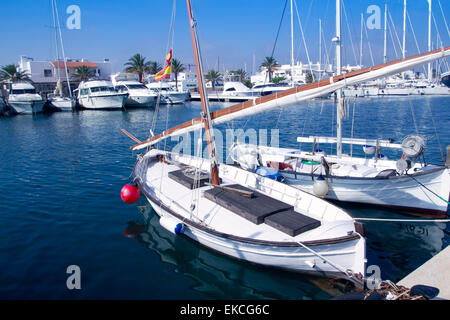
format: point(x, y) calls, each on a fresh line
point(234, 32)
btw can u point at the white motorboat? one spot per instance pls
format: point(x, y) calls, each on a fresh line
point(267, 88)
point(167, 93)
point(232, 91)
point(138, 94)
point(242, 214)
point(23, 98)
point(99, 94)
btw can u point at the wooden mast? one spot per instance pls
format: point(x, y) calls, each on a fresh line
point(206, 116)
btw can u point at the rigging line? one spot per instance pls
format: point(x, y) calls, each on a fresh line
point(415, 39)
point(437, 32)
point(443, 16)
point(413, 116)
point(436, 132)
point(393, 42)
point(428, 188)
point(58, 69)
point(395, 31)
point(368, 42)
point(279, 27)
point(348, 272)
point(63, 52)
point(304, 42)
point(353, 123)
point(350, 33)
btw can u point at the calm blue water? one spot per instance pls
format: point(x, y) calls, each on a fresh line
point(60, 179)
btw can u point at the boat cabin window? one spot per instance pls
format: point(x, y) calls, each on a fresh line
point(102, 89)
point(136, 86)
point(231, 89)
point(84, 91)
point(121, 88)
point(23, 91)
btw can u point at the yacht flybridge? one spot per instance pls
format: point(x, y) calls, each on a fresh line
point(242, 214)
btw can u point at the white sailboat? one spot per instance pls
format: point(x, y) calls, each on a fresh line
point(57, 99)
point(405, 184)
point(242, 214)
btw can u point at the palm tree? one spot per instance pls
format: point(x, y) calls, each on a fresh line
point(213, 76)
point(83, 73)
point(269, 63)
point(154, 67)
point(241, 73)
point(137, 64)
point(10, 73)
point(177, 67)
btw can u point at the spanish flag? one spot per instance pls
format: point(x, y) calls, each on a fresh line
point(165, 73)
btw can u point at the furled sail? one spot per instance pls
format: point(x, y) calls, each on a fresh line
point(300, 93)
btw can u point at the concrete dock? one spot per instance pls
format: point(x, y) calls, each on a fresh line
point(435, 272)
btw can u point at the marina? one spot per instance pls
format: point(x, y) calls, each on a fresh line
point(80, 142)
point(299, 181)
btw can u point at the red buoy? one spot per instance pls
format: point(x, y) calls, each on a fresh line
point(130, 193)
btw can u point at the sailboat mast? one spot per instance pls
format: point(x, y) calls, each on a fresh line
point(429, 39)
point(338, 72)
point(320, 44)
point(58, 69)
point(206, 116)
point(385, 34)
point(292, 44)
point(404, 30)
point(361, 41)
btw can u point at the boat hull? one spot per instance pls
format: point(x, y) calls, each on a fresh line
point(63, 104)
point(405, 193)
point(103, 102)
point(27, 107)
point(137, 101)
point(174, 98)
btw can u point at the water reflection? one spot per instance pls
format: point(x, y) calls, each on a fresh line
point(221, 277)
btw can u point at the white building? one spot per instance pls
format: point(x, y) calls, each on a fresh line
point(44, 74)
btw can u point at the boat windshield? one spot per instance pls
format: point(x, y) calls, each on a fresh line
point(136, 86)
point(102, 89)
point(23, 91)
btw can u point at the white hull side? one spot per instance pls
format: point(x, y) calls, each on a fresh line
point(289, 258)
point(174, 98)
point(140, 101)
point(27, 107)
point(63, 105)
point(103, 102)
point(397, 192)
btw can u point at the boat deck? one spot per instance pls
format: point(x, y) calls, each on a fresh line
point(224, 218)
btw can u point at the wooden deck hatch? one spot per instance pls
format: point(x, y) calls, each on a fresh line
point(187, 178)
point(254, 209)
point(291, 222)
